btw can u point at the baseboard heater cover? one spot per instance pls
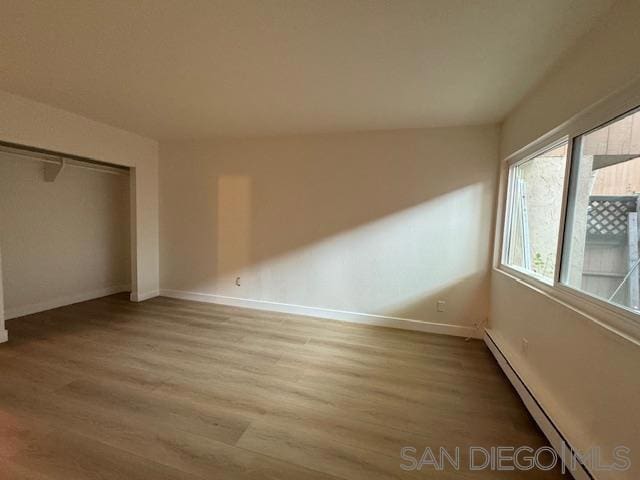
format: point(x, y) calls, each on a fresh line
point(556, 439)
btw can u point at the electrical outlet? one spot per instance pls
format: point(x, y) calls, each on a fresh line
point(524, 346)
point(440, 306)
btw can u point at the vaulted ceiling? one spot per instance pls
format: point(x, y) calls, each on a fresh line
point(200, 68)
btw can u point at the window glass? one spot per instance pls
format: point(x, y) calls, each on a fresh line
point(533, 212)
point(601, 247)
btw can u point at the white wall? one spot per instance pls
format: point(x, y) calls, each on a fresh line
point(27, 122)
point(585, 376)
point(381, 223)
point(62, 241)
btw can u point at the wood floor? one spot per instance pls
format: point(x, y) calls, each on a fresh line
point(170, 389)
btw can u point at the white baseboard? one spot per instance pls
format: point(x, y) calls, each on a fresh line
point(62, 301)
point(556, 439)
point(345, 316)
point(4, 336)
point(141, 297)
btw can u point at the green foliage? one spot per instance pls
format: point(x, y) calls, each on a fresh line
point(543, 266)
point(538, 263)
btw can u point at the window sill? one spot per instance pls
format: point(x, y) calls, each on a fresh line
point(612, 318)
point(527, 275)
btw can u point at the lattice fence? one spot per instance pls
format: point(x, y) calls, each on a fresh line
point(607, 216)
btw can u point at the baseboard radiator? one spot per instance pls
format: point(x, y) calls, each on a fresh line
point(556, 439)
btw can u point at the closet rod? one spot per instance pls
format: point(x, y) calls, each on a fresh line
point(70, 160)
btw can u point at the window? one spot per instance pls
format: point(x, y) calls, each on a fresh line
point(578, 238)
point(602, 255)
point(533, 212)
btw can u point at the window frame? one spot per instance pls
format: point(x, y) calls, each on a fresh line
point(615, 318)
point(511, 165)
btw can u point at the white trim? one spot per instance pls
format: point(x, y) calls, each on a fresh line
point(563, 231)
point(331, 314)
point(4, 336)
point(141, 297)
point(513, 162)
point(23, 310)
point(557, 440)
point(525, 274)
point(516, 160)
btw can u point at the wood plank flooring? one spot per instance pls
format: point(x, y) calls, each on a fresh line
point(170, 389)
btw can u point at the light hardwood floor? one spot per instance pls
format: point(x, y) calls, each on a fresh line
point(170, 389)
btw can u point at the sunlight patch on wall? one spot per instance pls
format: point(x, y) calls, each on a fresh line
point(234, 225)
point(394, 264)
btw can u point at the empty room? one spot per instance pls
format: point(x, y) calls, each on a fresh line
point(319, 239)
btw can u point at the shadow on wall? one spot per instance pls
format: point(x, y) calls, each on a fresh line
point(356, 225)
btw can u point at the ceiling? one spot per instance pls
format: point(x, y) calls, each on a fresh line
point(173, 69)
